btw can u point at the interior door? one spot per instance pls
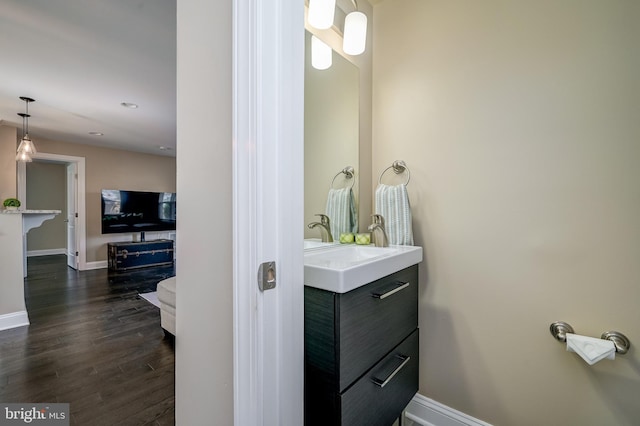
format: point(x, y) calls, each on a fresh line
point(72, 214)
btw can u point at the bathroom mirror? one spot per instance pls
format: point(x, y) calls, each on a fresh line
point(331, 132)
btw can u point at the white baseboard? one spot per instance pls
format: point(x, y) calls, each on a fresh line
point(427, 412)
point(101, 264)
point(14, 319)
point(47, 252)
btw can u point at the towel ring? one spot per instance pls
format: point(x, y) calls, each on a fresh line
point(398, 167)
point(348, 172)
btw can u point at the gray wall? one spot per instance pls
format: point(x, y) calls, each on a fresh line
point(519, 122)
point(47, 190)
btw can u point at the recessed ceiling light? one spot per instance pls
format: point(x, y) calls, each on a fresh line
point(129, 105)
point(96, 133)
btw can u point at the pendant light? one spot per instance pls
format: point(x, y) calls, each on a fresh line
point(26, 148)
point(321, 13)
point(355, 32)
point(321, 54)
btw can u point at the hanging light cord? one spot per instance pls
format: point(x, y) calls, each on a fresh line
point(27, 117)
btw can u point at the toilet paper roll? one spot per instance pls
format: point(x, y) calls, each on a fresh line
point(590, 349)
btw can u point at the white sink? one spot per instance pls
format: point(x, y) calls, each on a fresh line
point(312, 243)
point(342, 268)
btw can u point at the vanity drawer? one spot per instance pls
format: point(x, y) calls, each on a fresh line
point(385, 390)
point(372, 320)
point(353, 338)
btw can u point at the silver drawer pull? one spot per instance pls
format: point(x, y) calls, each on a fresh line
point(402, 286)
point(383, 383)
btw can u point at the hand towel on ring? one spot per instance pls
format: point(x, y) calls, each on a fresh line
point(341, 209)
point(392, 202)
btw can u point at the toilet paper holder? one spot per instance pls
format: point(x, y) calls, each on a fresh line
point(559, 330)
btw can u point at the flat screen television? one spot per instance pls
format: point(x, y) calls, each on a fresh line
point(137, 211)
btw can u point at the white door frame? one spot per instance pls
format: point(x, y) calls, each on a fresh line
point(72, 214)
point(268, 186)
point(81, 238)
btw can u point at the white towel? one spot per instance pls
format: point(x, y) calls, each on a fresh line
point(392, 203)
point(341, 209)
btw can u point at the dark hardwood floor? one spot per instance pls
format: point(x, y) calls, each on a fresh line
point(92, 343)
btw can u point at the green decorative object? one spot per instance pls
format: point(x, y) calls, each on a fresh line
point(11, 203)
point(346, 238)
point(363, 239)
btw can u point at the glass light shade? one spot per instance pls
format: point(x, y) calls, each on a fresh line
point(321, 54)
point(355, 33)
point(321, 13)
point(23, 157)
point(26, 145)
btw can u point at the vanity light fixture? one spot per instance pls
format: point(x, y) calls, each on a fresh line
point(26, 148)
point(96, 133)
point(321, 54)
point(129, 105)
point(321, 13)
point(355, 32)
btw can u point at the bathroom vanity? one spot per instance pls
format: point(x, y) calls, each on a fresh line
point(361, 344)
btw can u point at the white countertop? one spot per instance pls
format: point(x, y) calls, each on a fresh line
point(342, 268)
point(30, 211)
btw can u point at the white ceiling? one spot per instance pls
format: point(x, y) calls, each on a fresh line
point(79, 59)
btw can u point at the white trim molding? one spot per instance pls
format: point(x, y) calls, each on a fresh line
point(81, 224)
point(268, 210)
point(13, 320)
point(427, 412)
point(46, 252)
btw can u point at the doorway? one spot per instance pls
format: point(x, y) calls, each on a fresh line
point(75, 195)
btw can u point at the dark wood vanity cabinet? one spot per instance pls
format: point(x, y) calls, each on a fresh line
point(361, 351)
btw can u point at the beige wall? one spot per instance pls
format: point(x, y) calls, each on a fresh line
point(519, 122)
point(113, 169)
point(204, 304)
point(47, 190)
point(8, 147)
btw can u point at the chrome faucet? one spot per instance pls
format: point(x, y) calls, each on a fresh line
point(325, 228)
point(378, 233)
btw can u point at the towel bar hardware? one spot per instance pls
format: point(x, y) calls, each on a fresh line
point(619, 340)
point(559, 330)
point(348, 173)
point(398, 167)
